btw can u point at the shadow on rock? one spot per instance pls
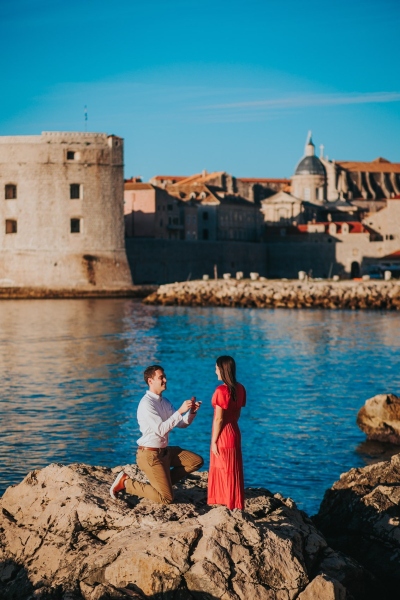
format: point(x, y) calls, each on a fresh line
point(14, 581)
point(360, 516)
point(373, 451)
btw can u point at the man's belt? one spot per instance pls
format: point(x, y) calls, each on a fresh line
point(152, 449)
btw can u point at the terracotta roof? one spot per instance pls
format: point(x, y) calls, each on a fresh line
point(177, 177)
point(137, 186)
point(263, 180)
point(205, 194)
point(184, 191)
point(354, 226)
point(379, 165)
point(393, 255)
point(200, 177)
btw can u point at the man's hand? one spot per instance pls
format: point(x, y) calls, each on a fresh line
point(195, 405)
point(187, 405)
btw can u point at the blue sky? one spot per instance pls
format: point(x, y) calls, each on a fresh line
point(217, 85)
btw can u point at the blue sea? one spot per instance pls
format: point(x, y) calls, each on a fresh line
point(72, 377)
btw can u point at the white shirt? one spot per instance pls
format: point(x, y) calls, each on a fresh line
point(156, 417)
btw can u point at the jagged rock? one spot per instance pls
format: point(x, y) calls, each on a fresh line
point(360, 515)
point(379, 418)
point(323, 587)
point(63, 537)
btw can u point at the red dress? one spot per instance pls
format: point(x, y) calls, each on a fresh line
point(225, 477)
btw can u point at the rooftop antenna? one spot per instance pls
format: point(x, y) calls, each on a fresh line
point(85, 114)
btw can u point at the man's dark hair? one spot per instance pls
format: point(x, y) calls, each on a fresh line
point(151, 371)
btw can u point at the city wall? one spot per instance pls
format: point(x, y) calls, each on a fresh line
point(166, 261)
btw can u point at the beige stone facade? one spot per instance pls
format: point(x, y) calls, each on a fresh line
point(189, 211)
point(61, 211)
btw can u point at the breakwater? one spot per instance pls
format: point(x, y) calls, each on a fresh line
point(280, 294)
point(37, 293)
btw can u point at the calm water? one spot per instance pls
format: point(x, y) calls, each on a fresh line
point(71, 375)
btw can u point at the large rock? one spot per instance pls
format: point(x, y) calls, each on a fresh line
point(360, 515)
point(63, 537)
point(379, 418)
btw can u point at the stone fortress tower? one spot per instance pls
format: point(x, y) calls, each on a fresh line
point(61, 212)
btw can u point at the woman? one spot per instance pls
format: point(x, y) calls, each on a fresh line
point(225, 478)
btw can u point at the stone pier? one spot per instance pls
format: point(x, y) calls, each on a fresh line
point(280, 294)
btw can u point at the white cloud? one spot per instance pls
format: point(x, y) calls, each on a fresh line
point(309, 100)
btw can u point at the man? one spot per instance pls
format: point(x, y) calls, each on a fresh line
point(156, 417)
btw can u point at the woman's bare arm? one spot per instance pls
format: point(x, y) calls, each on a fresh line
point(216, 428)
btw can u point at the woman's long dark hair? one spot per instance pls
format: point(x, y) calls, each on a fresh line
point(227, 367)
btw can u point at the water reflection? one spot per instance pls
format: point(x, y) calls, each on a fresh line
point(72, 377)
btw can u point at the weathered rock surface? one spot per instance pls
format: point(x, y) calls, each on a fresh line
point(63, 537)
point(379, 418)
point(360, 515)
point(280, 294)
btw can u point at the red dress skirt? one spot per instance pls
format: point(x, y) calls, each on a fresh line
point(225, 477)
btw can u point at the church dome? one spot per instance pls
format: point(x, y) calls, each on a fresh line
point(310, 165)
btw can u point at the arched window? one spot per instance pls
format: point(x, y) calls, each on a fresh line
point(10, 191)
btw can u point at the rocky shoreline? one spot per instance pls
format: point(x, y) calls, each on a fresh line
point(26, 293)
point(280, 294)
point(63, 538)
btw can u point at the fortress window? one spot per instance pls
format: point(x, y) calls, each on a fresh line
point(205, 216)
point(70, 155)
point(170, 207)
point(75, 225)
point(205, 234)
point(10, 191)
point(11, 226)
point(75, 191)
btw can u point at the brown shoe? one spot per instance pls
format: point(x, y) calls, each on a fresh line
point(118, 485)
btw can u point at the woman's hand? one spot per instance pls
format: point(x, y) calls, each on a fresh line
point(214, 448)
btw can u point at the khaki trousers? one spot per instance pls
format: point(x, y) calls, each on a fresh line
point(157, 467)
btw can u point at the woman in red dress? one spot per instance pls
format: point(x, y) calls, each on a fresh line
point(225, 477)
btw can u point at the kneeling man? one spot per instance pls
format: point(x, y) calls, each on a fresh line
point(156, 417)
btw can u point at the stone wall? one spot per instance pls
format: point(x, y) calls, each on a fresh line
point(166, 261)
point(163, 261)
point(37, 246)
